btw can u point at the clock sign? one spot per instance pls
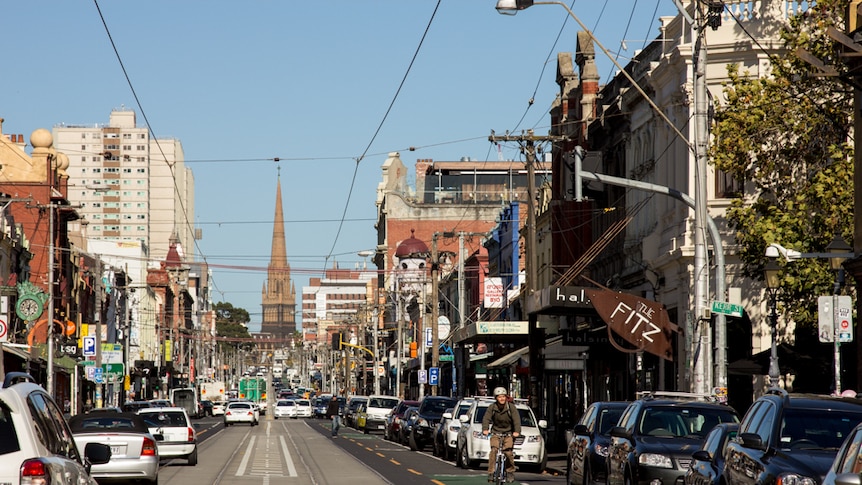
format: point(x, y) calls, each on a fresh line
point(31, 301)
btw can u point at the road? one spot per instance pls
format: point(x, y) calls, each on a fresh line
point(302, 452)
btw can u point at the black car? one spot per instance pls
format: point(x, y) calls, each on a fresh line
point(588, 449)
point(350, 410)
point(708, 465)
point(407, 423)
point(790, 438)
point(431, 409)
point(656, 436)
point(392, 428)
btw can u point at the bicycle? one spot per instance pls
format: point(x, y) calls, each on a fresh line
point(500, 475)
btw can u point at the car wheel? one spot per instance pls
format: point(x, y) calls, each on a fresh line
point(414, 446)
point(460, 460)
point(365, 429)
point(435, 449)
point(193, 458)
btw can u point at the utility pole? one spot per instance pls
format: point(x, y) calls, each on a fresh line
point(50, 317)
point(435, 308)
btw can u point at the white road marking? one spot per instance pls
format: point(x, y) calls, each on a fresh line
point(244, 463)
point(291, 469)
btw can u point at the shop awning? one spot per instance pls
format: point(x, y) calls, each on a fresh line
point(512, 358)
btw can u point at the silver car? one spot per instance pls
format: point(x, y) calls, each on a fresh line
point(134, 454)
point(175, 435)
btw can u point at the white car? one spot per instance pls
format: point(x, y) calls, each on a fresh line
point(285, 408)
point(241, 412)
point(37, 444)
point(218, 408)
point(474, 447)
point(180, 439)
point(304, 408)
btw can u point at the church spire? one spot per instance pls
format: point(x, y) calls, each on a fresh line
point(278, 258)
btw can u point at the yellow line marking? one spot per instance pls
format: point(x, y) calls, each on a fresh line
point(437, 482)
point(393, 461)
point(413, 471)
point(369, 449)
point(380, 455)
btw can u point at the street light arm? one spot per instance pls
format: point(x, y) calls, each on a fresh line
point(775, 250)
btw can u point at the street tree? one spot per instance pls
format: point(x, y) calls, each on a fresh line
point(788, 139)
point(231, 326)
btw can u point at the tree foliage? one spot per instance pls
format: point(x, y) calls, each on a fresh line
point(789, 138)
point(231, 323)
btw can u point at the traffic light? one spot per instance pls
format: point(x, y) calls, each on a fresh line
point(414, 350)
point(336, 341)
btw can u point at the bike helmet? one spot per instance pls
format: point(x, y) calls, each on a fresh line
point(500, 391)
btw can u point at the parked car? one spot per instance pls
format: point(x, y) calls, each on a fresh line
point(107, 409)
point(161, 403)
point(431, 410)
point(474, 447)
point(134, 454)
point(218, 408)
point(446, 435)
point(241, 412)
point(360, 416)
point(392, 428)
point(406, 425)
point(655, 437)
point(587, 451)
point(846, 469)
point(303, 408)
point(37, 445)
point(180, 438)
point(787, 438)
point(708, 465)
point(377, 410)
point(352, 404)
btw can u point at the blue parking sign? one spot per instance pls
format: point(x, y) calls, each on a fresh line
point(434, 376)
point(89, 346)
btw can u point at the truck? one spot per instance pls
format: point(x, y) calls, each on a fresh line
point(187, 398)
point(254, 389)
point(212, 391)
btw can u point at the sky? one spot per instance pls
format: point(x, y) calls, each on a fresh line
point(328, 87)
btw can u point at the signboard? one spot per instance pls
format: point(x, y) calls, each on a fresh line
point(98, 376)
point(728, 309)
point(502, 327)
point(89, 346)
point(434, 376)
point(115, 371)
point(429, 337)
point(493, 292)
point(4, 331)
point(446, 358)
point(835, 318)
point(640, 322)
point(423, 376)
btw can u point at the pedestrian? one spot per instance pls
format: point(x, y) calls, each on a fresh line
point(503, 422)
point(332, 412)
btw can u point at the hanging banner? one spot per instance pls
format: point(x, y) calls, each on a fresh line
point(640, 322)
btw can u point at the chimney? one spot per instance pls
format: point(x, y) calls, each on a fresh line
point(422, 167)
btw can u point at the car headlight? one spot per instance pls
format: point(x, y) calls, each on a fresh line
point(659, 461)
point(602, 450)
point(534, 438)
point(454, 429)
point(422, 422)
point(794, 479)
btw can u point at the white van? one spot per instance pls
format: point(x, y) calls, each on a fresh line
point(377, 410)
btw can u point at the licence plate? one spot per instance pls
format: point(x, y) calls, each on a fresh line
point(380, 426)
point(118, 450)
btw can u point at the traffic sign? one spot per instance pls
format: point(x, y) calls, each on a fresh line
point(423, 376)
point(835, 318)
point(434, 376)
point(89, 346)
point(4, 330)
point(429, 338)
point(447, 358)
point(726, 308)
point(98, 376)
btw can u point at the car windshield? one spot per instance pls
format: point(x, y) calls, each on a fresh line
point(814, 428)
point(526, 416)
point(165, 418)
point(607, 419)
point(100, 423)
point(435, 406)
point(239, 406)
point(679, 421)
point(382, 402)
point(303, 402)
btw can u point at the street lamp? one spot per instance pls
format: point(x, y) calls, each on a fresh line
point(771, 271)
point(838, 249)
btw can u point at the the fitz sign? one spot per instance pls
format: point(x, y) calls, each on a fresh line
point(640, 322)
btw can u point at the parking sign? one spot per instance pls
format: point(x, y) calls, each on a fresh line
point(434, 376)
point(423, 377)
point(89, 346)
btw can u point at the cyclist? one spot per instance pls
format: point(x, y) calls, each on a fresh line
point(503, 421)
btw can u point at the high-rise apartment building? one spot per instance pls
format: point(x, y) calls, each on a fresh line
point(129, 187)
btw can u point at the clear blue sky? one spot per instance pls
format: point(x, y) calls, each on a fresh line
point(309, 82)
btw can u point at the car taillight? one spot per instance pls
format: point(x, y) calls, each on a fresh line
point(251, 413)
point(149, 448)
point(191, 434)
point(35, 472)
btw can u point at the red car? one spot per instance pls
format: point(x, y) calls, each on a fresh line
point(391, 430)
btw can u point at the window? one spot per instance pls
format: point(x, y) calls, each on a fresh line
point(83, 148)
point(83, 136)
point(142, 216)
point(142, 170)
point(8, 435)
point(142, 228)
point(97, 170)
point(142, 136)
point(142, 148)
point(97, 204)
point(726, 185)
point(127, 147)
point(127, 136)
point(127, 170)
